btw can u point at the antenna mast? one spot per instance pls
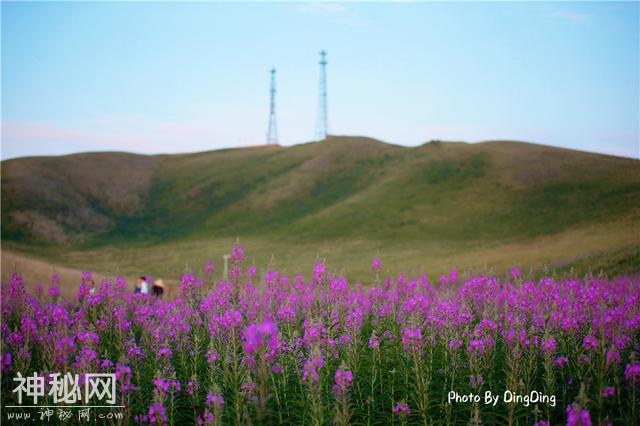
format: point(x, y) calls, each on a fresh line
point(272, 132)
point(322, 128)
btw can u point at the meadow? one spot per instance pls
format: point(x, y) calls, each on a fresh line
point(483, 208)
point(314, 348)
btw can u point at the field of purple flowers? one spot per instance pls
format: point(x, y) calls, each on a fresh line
point(296, 350)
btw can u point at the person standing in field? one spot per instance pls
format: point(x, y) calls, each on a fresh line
point(144, 285)
point(158, 288)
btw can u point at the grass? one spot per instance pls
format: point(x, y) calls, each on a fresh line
point(609, 248)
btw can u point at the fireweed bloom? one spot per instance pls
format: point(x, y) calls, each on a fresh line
point(453, 276)
point(192, 387)
point(376, 265)
point(590, 343)
point(454, 344)
point(515, 274)
point(374, 343)
point(251, 272)
point(475, 381)
point(561, 361)
point(237, 255)
point(632, 372)
point(157, 414)
point(6, 363)
point(318, 271)
point(609, 392)
point(258, 336)
point(311, 369)
point(578, 416)
point(548, 346)
point(343, 380)
point(613, 357)
point(54, 292)
point(211, 356)
point(411, 338)
point(401, 410)
point(298, 330)
point(214, 400)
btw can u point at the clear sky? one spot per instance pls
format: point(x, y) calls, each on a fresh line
point(176, 77)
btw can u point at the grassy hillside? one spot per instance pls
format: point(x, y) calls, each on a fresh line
point(438, 200)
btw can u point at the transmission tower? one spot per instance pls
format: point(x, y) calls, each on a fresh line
point(322, 127)
point(272, 132)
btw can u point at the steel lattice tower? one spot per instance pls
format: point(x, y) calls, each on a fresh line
point(322, 126)
point(272, 132)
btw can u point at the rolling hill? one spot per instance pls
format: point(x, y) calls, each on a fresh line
point(435, 198)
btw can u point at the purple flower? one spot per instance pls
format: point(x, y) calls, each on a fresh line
point(6, 362)
point(454, 344)
point(163, 386)
point(632, 372)
point(237, 255)
point(311, 367)
point(88, 338)
point(134, 352)
point(374, 343)
point(165, 352)
point(209, 268)
point(106, 364)
point(453, 276)
point(286, 314)
point(251, 272)
point(214, 400)
point(318, 271)
point(590, 343)
point(343, 380)
point(609, 392)
point(258, 336)
point(411, 338)
point(311, 335)
point(479, 346)
point(561, 361)
point(613, 357)
point(189, 284)
point(577, 416)
point(54, 292)
point(192, 387)
point(206, 419)
point(401, 409)
point(515, 274)
point(548, 346)
point(376, 265)
point(157, 413)
point(211, 356)
point(475, 381)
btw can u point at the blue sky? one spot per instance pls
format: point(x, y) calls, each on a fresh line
point(175, 77)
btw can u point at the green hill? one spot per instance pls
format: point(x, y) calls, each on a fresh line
point(345, 189)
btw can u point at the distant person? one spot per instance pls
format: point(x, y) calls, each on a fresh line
point(92, 287)
point(144, 285)
point(158, 288)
